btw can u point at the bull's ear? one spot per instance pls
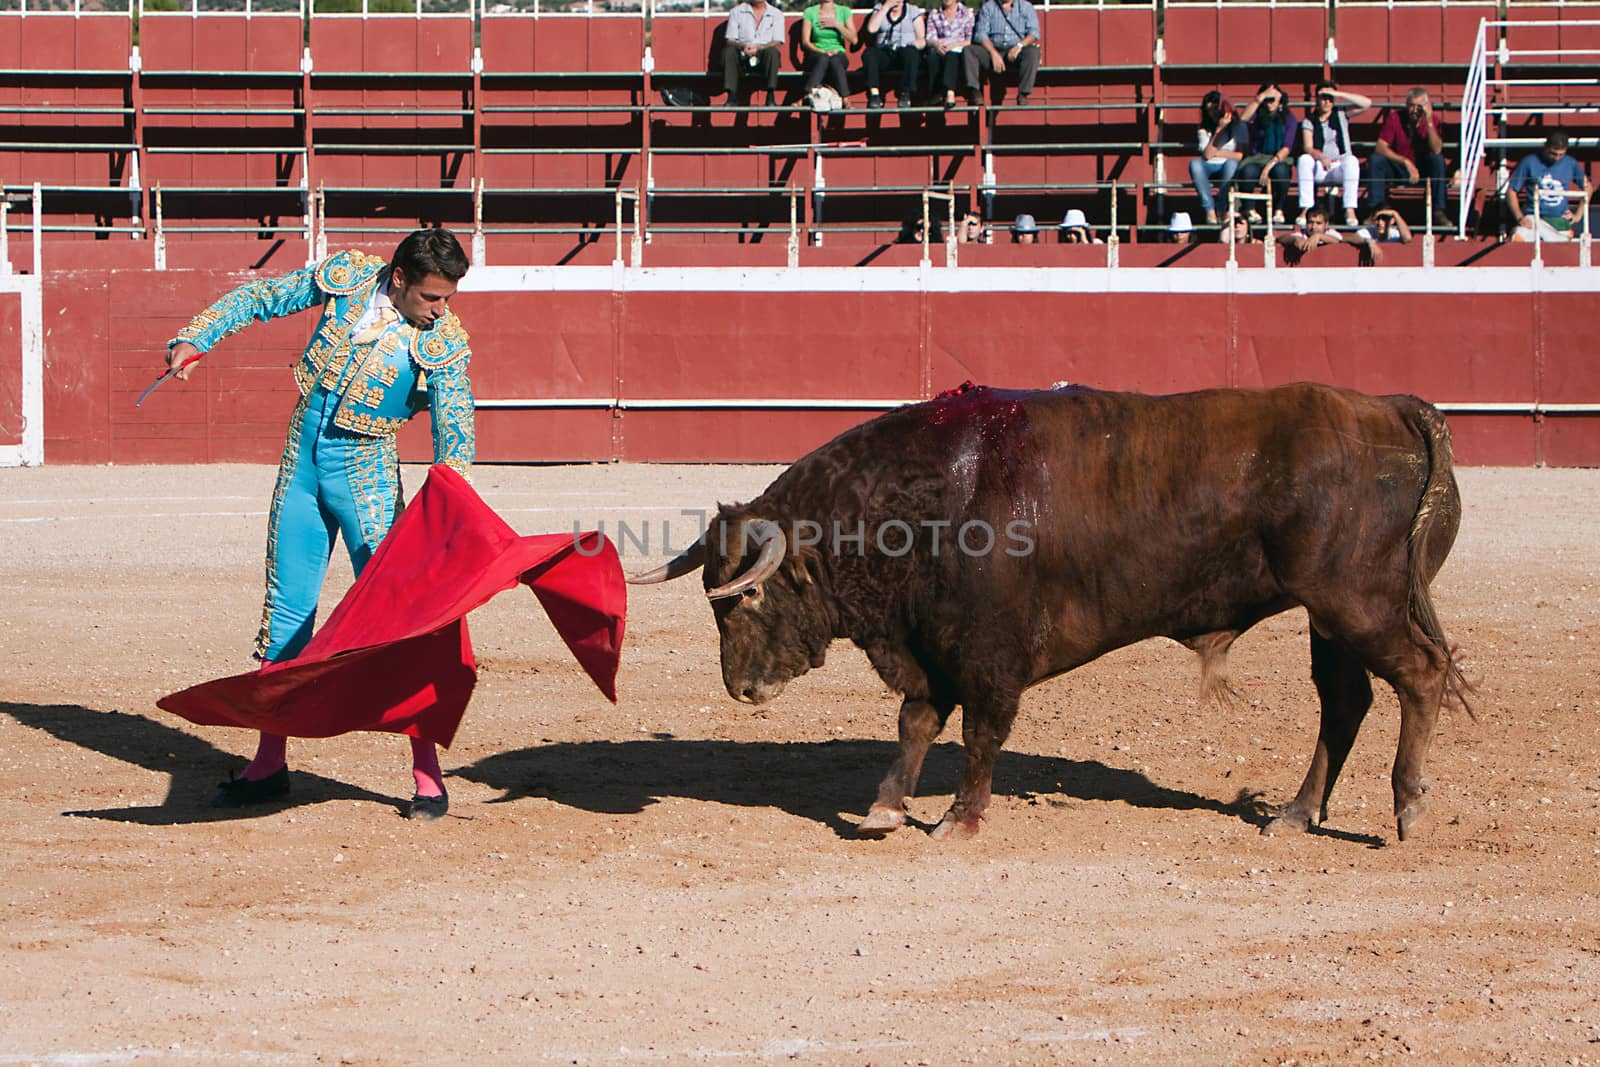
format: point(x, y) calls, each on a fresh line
point(800, 565)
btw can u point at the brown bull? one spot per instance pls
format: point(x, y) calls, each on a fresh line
point(984, 541)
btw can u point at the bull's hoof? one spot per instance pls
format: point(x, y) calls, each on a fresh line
point(1287, 822)
point(951, 828)
point(1407, 810)
point(1407, 817)
point(881, 820)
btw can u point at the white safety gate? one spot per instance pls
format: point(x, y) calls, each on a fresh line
point(21, 355)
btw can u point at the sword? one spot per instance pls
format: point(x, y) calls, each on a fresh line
point(170, 372)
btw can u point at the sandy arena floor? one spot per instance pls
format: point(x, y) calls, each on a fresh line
point(674, 880)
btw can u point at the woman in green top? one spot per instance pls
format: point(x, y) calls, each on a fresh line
point(826, 30)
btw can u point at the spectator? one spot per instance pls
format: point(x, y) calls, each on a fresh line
point(949, 34)
point(970, 231)
point(1311, 232)
point(754, 49)
point(827, 30)
point(1325, 142)
point(898, 30)
point(1410, 148)
point(1272, 144)
point(1387, 227)
point(911, 231)
point(1005, 36)
point(1238, 231)
point(1222, 138)
point(1025, 231)
point(1317, 232)
point(1551, 172)
point(1075, 229)
point(1180, 228)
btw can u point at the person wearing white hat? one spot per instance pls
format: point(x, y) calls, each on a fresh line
point(1180, 228)
point(1075, 229)
point(1025, 230)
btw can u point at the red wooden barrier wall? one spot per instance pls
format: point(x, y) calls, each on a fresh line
point(720, 337)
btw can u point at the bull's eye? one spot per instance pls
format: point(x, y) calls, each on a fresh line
point(753, 594)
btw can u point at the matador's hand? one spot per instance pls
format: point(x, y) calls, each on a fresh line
point(181, 357)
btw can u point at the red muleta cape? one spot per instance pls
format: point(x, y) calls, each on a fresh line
point(395, 655)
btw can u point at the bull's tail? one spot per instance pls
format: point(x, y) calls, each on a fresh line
point(1429, 541)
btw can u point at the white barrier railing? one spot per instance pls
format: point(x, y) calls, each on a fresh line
point(1479, 105)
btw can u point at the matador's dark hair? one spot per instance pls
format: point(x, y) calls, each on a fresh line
point(431, 251)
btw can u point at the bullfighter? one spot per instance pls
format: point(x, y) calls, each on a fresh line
point(386, 347)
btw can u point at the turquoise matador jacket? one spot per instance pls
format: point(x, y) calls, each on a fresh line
point(400, 372)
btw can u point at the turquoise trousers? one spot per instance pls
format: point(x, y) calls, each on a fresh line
point(330, 483)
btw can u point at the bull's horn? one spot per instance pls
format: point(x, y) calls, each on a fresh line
point(692, 559)
point(769, 535)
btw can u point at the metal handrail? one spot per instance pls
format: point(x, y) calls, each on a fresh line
point(226, 150)
point(562, 109)
point(792, 246)
point(586, 151)
point(347, 149)
point(645, 228)
point(248, 10)
point(57, 109)
point(413, 112)
point(1582, 195)
point(989, 188)
point(1474, 122)
point(37, 194)
point(637, 245)
point(77, 11)
point(160, 229)
point(947, 195)
point(68, 146)
point(1476, 108)
point(209, 111)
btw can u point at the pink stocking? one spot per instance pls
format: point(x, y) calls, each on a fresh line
point(425, 768)
point(271, 753)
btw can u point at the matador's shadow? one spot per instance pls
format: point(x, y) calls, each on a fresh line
point(812, 780)
point(194, 766)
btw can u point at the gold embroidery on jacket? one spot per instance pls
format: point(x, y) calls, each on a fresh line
point(454, 432)
point(333, 373)
point(367, 425)
point(372, 470)
point(445, 344)
point(365, 394)
point(344, 272)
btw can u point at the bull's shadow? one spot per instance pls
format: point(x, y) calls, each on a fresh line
point(193, 766)
point(812, 780)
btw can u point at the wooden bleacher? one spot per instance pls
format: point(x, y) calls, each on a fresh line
point(524, 123)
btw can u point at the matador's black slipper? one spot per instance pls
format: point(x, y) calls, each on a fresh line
point(240, 792)
point(426, 809)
